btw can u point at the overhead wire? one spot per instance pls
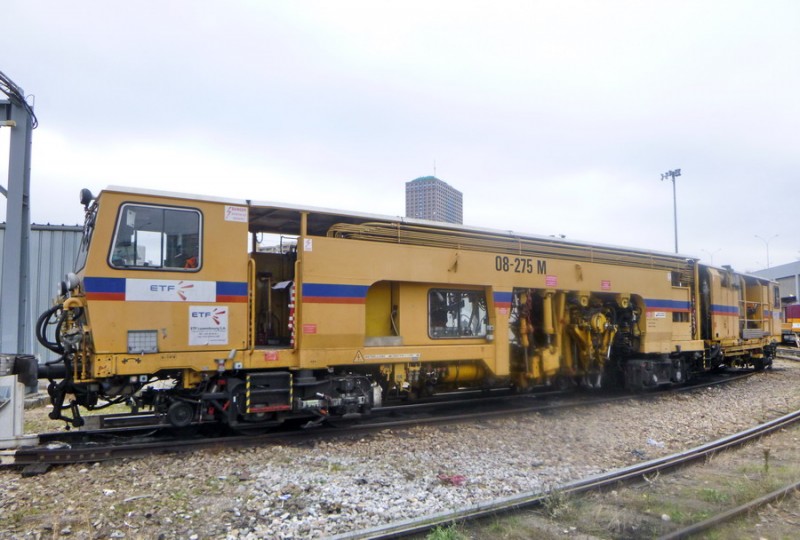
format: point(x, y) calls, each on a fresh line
point(17, 96)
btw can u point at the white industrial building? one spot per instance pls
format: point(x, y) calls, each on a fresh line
point(788, 278)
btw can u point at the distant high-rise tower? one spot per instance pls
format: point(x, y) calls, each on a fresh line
point(432, 199)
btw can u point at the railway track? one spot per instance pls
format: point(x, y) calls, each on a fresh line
point(120, 436)
point(636, 473)
point(354, 482)
point(130, 441)
point(790, 353)
point(731, 514)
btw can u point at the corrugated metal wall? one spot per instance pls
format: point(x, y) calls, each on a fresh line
point(52, 250)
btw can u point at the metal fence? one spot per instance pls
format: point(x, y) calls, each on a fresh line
point(52, 254)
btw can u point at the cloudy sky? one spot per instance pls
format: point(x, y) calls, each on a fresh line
point(551, 117)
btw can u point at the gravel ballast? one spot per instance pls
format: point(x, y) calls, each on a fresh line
point(332, 487)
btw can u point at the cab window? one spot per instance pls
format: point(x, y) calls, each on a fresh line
point(456, 314)
point(149, 237)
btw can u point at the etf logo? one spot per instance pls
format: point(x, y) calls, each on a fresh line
point(208, 325)
point(162, 288)
point(181, 288)
point(169, 290)
point(216, 315)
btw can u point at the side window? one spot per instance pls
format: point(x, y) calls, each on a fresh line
point(456, 314)
point(157, 237)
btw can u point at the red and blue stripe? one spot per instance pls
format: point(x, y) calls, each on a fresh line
point(107, 288)
point(502, 300)
point(103, 288)
point(231, 291)
point(670, 306)
point(727, 311)
point(334, 293)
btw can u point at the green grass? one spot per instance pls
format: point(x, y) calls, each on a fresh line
point(557, 504)
point(445, 533)
point(712, 495)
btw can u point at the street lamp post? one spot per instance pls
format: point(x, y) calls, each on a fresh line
point(673, 174)
point(766, 243)
point(711, 254)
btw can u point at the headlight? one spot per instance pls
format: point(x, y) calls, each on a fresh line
point(70, 283)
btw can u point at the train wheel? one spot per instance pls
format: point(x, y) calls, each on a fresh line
point(564, 383)
point(180, 414)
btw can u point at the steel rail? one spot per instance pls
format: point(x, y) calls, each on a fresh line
point(789, 353)
point(121, 422)
point(547, 407)
point(536, 498)
point(61, 448)
point(67, 447)
point(726, 516)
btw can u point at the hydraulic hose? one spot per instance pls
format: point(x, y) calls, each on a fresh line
point(41, 330)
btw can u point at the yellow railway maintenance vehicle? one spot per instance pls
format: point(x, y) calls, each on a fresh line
point(356, 309)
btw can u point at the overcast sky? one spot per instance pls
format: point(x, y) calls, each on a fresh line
point(551, 117)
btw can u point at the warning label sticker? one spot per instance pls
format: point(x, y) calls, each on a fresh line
point(236, 213)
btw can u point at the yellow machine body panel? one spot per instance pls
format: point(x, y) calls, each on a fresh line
point(724, 306)
point(149, 307)
point(408, 272)
point(739, 313)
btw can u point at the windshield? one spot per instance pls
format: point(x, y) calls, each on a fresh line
point(88, 229)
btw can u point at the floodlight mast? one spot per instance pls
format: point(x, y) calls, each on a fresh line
point(766, 243)
point(711, 254)
point(673, 174)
